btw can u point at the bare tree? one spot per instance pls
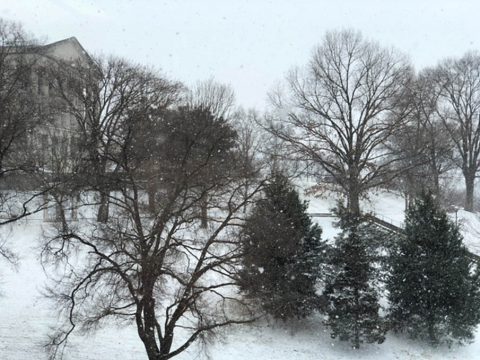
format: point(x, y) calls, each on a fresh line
point(217, 98)
point(21, 111)
point(423, 144)
point(342, 108)
point(20, 107)
point(157, 268)
point(249, 146)
point(439, 148)
point(99, 96)
point(458, 84)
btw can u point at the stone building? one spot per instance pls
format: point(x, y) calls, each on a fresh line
point(50, 141)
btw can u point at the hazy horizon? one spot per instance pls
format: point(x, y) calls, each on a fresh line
point(248, 44)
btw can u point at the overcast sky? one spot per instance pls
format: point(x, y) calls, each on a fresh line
point(248, 44)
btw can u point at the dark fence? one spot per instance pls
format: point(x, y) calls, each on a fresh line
point(384, 224)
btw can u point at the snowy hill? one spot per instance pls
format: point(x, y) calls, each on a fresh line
point(27, 316)
point(470, 228)
point(390, 207)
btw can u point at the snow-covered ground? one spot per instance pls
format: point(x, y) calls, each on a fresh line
point(385, 205)
point(311, 341)
point(390, 207)
point(27, 316)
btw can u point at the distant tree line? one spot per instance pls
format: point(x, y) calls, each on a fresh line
point(367, 119)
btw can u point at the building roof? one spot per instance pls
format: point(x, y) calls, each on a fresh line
point(66, 49)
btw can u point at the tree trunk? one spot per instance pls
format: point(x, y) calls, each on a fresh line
point(469, 188)
point(166, 346)
point(245, 196)
point(204, 211)
point(354, 200)
point(353, 196)
point(151, 198)
point(436, 184)
point(356, 339)
point(147, 327)
point(59, 211)
point(102, 215)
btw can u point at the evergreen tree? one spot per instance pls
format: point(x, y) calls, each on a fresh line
point(433, 289)
point(353, 308)
point(282, 249)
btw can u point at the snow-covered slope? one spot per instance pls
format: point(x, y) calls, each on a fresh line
point(470, 228)
point(390, 207)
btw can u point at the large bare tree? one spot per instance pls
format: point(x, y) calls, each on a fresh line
point(342, 108)
point(458, 84)
point(153, 265)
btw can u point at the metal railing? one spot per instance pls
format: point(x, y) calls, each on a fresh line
point(387, 224)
